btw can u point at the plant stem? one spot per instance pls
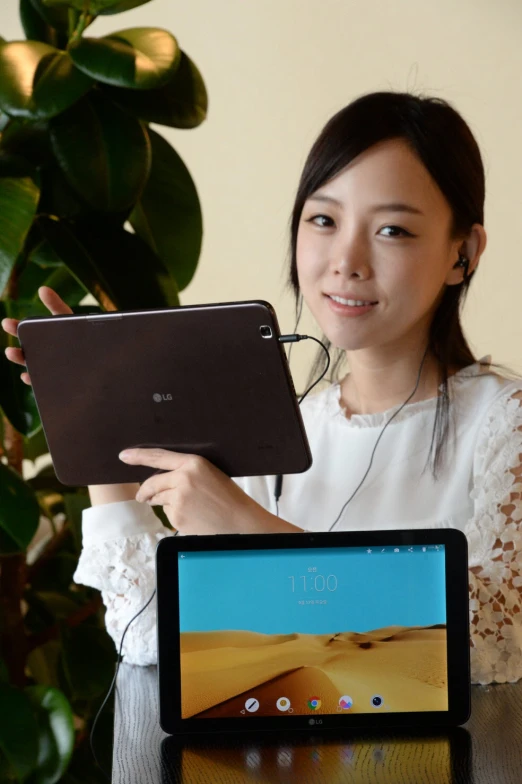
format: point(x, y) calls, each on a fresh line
point(73, 17)
point(84, 21)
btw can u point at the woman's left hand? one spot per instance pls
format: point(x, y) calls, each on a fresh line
point(198, 498)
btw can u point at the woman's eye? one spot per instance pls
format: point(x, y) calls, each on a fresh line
point(318, 221)
point(395, 231)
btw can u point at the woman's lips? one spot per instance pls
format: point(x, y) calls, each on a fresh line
point(349, 310)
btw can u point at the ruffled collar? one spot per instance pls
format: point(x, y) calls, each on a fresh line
point(379, 419)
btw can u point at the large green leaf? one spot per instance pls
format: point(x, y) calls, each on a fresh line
point(103, 152)
point(138, 277)
point(85, 267)
point(97, 7)
point(168, 214)
point(38, 81)
point(56, 734)
point(58, 197)
point(45, 269)
point(181, 103)
point(67, 286)
point(8, 546)
point(13, 165)
point(118, 6)
point(18, 730)
point(112, 263)
point(18, 202)
point(42, 663)
point(56, 17)
point(36, 21)
point(19, 509)
point(88, 657)
point(32, 277)
point(29, 139)
point(140, 58)
point(83, 769)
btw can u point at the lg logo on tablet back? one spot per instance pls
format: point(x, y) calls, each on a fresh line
point(158, 398)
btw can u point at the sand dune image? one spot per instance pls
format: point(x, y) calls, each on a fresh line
point(406, 665)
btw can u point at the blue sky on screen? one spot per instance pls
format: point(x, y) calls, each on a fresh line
point(252, 590)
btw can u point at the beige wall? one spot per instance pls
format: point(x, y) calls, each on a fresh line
point(276, 70)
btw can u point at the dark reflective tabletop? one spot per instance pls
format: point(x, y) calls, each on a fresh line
point(487, 749)
point(324, 758)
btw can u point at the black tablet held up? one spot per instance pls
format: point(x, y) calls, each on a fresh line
point(300, 631)
point(211, 380)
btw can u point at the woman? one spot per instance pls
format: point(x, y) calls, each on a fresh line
point(386, 234)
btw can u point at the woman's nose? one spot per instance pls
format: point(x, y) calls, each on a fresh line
point(351, 258)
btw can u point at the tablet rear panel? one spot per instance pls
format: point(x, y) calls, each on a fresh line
point(200, 380)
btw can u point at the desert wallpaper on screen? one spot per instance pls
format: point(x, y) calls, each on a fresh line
point(404, 664)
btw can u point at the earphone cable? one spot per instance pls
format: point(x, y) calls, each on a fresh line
point(111, 687)
point(297, 320)
point(325, 371)
point(278, 489)
point(377, 442)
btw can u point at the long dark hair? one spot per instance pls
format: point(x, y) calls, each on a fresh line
point(444, 143)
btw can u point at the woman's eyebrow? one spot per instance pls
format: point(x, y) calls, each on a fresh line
point(324, 197)
point(397, 206)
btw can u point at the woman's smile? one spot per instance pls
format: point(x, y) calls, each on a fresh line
point(350, 306)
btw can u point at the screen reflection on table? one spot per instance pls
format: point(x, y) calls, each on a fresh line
point(416, 758)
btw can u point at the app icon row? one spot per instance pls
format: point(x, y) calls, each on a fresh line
point(284, 705)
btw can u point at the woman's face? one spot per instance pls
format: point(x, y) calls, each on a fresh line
point(378, 234)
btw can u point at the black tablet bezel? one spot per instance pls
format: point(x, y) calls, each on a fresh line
point(457, 614)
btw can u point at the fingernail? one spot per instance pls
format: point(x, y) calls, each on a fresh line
point(123, 455)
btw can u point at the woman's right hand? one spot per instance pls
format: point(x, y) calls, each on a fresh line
point(57, 307)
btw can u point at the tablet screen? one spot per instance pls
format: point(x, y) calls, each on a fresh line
point(313, 631)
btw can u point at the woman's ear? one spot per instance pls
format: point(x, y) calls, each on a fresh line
point(471, 249)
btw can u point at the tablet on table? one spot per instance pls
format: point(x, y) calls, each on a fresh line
point(300, 631)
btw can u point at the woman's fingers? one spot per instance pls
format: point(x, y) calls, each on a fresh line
point(15, 355)
point(53, 301)
point(55, 304)
point(9, 325)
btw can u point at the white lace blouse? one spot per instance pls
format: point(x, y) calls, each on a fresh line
point(479, 491)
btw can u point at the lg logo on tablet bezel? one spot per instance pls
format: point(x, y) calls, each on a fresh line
point(159, 398)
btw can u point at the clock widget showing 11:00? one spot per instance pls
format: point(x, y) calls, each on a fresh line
point(313, 581)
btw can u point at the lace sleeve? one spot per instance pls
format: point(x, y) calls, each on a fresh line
point(495, 546)
point(121, 564)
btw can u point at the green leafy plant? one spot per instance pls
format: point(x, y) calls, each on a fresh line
point(92, 200)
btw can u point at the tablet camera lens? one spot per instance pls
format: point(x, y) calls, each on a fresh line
point(266, 332)
point(377, 701)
